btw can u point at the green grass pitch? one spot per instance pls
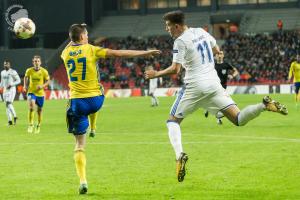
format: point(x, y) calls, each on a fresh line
point(131, 158)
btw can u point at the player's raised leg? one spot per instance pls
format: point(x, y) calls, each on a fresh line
point(241, 118)
point(93, 121)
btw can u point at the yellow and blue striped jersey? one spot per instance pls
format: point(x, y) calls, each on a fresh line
point(36, 78)
point(295, 71)
point(81, 65)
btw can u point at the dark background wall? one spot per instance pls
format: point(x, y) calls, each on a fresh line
point(25, 58)
point(52, 19)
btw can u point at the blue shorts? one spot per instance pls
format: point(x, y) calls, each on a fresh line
point(39, 101)
point(78, 111)
point(297, 87)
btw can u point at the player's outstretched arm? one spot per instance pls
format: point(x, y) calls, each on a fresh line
point(173, 69)
point(131, 53)
point(25, 83)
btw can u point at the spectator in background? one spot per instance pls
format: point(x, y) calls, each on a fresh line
point(280, 25)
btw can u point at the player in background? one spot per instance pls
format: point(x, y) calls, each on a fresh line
point(9, 80)
point(193, 49)
point(80, 59)
point(35, 81)
point(295, 74)
point(225, 71)
point(153, 83)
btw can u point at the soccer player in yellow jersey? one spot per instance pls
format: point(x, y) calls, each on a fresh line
point(35, 80)
point(80, 59)
point(295, 73)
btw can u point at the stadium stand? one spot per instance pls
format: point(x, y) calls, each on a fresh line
point(260, 58)
point(261, 21)
point(141, 26)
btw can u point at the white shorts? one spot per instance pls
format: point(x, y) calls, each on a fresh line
point(151, 90)
point(210, 96)
point(9, 95)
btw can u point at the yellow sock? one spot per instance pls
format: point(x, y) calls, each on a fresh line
point(39, 119)
point(93, 120)
point(30, 117)
point(80, 163)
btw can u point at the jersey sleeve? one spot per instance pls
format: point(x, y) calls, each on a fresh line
point(16, 78)
point(179, 51)
point(46, 75)
point(100, 52)
point(27, 73)
point(229, 66)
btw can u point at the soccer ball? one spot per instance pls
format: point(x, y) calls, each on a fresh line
point(24, 28)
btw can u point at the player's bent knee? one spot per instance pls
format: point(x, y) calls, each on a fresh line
point(174, 119)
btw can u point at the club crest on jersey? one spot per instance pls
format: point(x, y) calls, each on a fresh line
point(175, 50)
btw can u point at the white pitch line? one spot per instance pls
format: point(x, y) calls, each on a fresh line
point(147, 143)
point(213, 135)
point(255, 137)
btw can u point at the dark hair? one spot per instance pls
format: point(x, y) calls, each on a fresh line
point(76, 30)
point(175, 17)
point(37, 56)
point(6, 61)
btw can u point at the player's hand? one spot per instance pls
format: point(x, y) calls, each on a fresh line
point(230, 77)
point(24, 89)
point(149, 74)
point(39, 87)
point(152, 53)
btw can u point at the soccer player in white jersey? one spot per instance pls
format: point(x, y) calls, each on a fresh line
point(153, 83)
point(193, 49)
point(9, 80)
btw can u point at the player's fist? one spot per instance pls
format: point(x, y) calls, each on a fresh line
point(39, 87)
point(151, 53)
point(149, 74)
point(24, 89)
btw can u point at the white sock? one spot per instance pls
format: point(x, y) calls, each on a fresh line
point(12, 110)
point(219, 115)
point(156, 100)
point(175, 137)
point(249, 113)
point(8, 114)
point(152, 101)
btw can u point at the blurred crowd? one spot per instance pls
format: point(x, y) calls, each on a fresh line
point(262, 58)
point(259, 58)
